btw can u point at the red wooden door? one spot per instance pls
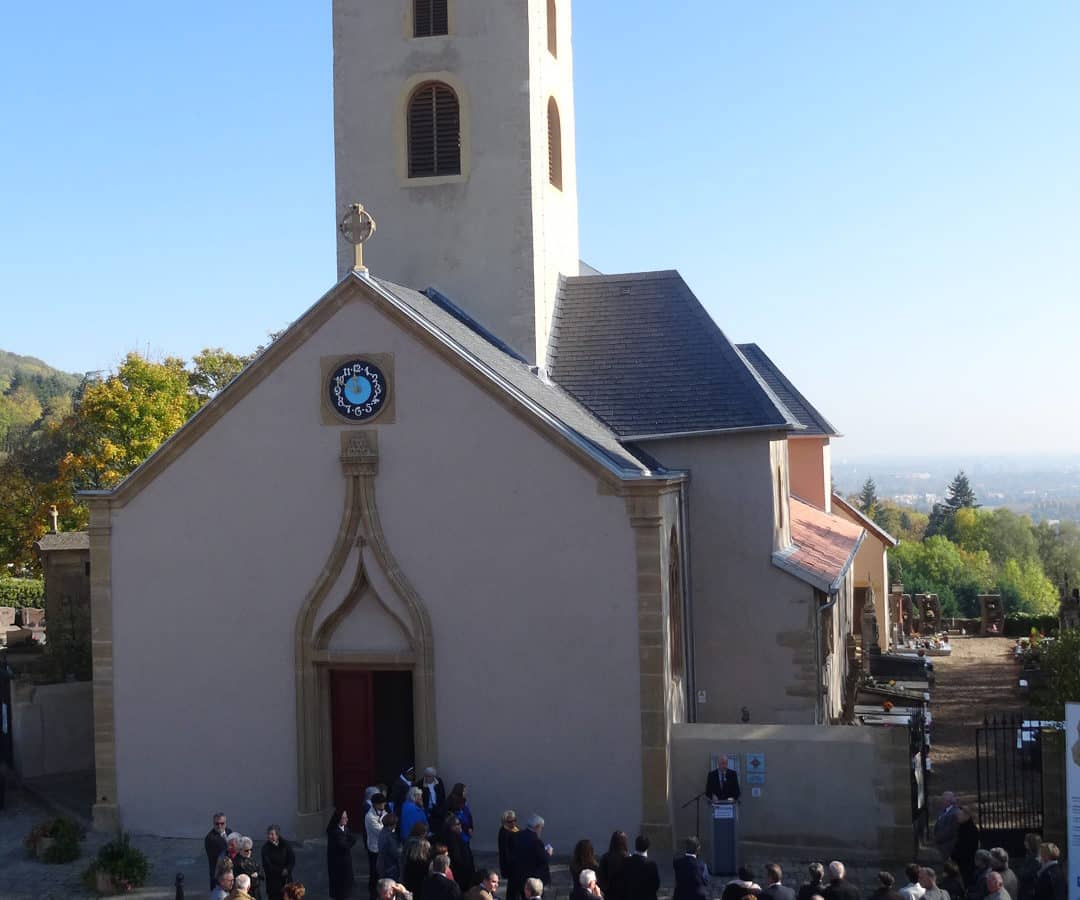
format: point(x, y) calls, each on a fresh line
point(352, 712)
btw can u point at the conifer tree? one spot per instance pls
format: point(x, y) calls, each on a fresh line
point(959, 493)
point(868, 498)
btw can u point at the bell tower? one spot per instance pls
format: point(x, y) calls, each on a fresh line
point(454, 126)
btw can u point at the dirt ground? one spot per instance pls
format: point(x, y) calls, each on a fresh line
point(978, 680)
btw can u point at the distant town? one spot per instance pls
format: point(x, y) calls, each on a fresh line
point(1045, 488)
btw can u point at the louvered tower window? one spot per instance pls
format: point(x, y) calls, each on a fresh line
point(430, 18)
point(434, 131)
point(553, 28)
point(554, 144)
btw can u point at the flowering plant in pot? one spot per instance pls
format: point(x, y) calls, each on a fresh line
point(54, 840)
point(118, 867)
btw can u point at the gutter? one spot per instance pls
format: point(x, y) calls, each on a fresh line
point(687, 602)
point(819, 655)
point(705, 432)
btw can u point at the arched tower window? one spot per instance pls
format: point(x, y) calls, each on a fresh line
point(430, 18)
point(554, 144)
point(553, 28)
point(434, 127)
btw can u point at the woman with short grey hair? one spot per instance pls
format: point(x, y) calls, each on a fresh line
point(245, 863)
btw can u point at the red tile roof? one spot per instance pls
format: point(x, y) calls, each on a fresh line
point(824, 545)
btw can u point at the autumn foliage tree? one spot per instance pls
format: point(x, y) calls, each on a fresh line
point(120, 421)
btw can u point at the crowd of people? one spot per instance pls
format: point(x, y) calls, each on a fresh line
point(418, 839)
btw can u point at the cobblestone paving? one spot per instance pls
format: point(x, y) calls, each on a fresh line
point(23, 878)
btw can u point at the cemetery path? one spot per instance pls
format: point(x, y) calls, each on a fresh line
point(978, 680)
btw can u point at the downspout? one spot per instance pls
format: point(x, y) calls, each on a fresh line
point(688, 606)
point(819, 655)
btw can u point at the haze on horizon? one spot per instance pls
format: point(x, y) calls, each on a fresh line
point(884, 198)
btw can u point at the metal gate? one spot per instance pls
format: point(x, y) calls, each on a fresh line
point(1008, 757)
point(7, 743)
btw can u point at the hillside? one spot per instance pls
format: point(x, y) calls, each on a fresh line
point(30, 390)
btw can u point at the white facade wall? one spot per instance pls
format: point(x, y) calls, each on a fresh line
point(527, 570)
point(747, 612)
point(495, 238)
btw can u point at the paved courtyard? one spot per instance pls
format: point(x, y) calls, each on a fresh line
point(23, 878)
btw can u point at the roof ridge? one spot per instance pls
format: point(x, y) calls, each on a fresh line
point(798, 396)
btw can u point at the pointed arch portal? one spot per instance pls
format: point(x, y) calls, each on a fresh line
point(332, 654)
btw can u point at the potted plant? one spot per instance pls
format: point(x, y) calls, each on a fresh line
point(54, 840)
point(118, 868)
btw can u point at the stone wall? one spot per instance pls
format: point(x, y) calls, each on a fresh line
point(53, 728)
point(833, 788)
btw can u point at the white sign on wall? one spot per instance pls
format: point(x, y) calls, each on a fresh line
point(1072, 794)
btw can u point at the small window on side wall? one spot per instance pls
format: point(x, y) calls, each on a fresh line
point(430, 18)
point(552, 28)
point(554, 145)
point(434, 131)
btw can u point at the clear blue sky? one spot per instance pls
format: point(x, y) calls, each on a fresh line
point(885, 196)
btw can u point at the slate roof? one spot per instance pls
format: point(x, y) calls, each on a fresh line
point(861, 518)
point(640, 351)
point(478, 342)
point(813, 421)
point(823, 546)
point(64, 540)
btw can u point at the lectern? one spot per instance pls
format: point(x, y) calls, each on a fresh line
point(725, 822)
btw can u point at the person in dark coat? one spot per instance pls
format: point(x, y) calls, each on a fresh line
point(400, 790)
point(611, 875)
point(530, 860)
point(1027, 873)
point(967, 842)
point(583, 857)
point(508, 832)
point(278, 862)
point(214, 844)
point(839, 888)
point(388, 864)
point(743, 886)
point(952, 882)
point(642, 874)
point(774, 884)
point(461, 857)
point(246, 863)
point(439, 885)
point(722, 782)
point(814, 886)
point(886, 888)
point(586, 887)
point(415, 862)
point(691, 874)
point(339, 844)
point(1052, 883)
point(433, 793)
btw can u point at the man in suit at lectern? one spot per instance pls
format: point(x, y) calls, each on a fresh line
point(723, 783)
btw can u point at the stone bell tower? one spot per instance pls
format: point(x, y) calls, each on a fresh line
point(454, 126)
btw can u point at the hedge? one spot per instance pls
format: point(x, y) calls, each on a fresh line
point(22, 592)
point(1020, 624)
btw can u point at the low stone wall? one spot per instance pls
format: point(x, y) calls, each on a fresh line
point(53, 728)
point(829, 787)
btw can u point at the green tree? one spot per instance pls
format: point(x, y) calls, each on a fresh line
point(938, 566)
point(120, 421)
point(959, 494)
point(868, 499)
point(1058, 546)
point(1025, 588)
point(213, 368)
point(1061, 668)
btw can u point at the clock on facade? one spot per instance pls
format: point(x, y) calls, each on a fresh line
point(357, 390)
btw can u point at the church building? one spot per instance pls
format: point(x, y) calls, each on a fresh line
point(480, 507)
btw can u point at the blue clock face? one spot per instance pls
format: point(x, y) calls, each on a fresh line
point(357, 390)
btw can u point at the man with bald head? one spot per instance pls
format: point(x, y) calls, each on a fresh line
point(723, 783)
point(995, 887)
